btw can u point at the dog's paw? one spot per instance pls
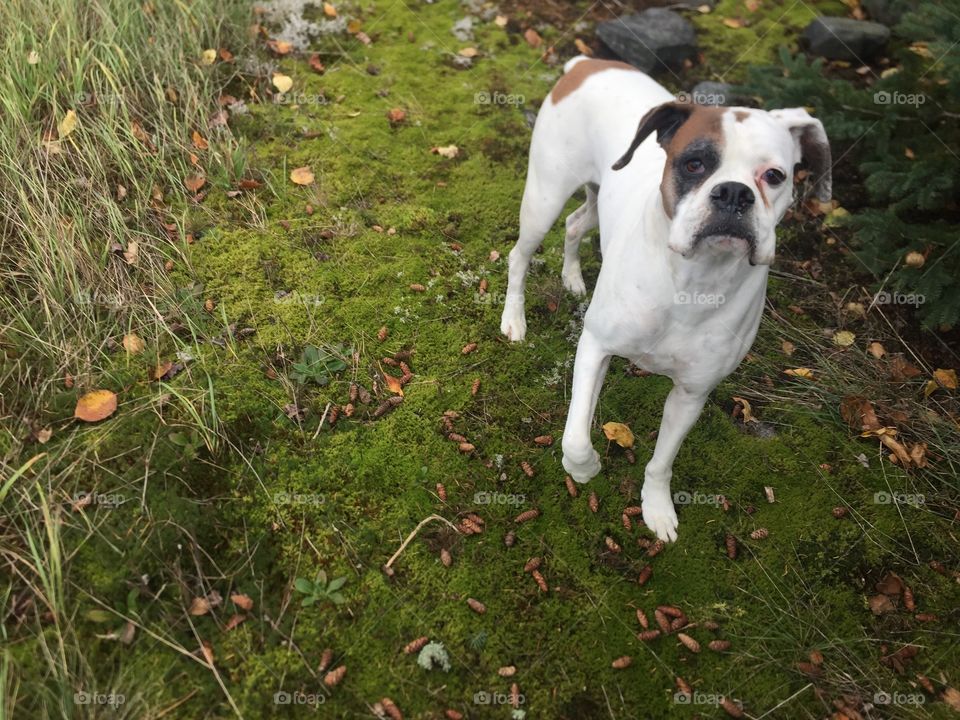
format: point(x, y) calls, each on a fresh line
point(573, 281)
point(658, 513)
point(583, 471)
point(513, 324)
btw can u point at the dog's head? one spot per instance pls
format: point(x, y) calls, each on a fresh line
point(729, 173)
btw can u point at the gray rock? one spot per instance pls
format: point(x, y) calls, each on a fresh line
point(888, 12)
point(837, 38)
point(463, 29)
point(650, 40)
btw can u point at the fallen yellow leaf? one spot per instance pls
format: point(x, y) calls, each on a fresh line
point(209, 56)
point(805, 373)
point(67, 125)
point(747, 409)
point(844, 338)
point(915, 259)
point(282, 82)
point(133, 344)
point(469, 52)
point(132, 253)
point(96, 405)
point(946, 378)
point(393, 384)
point(329, 10)
point(280, 47)
point(447, 151)
point(788, 348)
point(618, 433)
point(877, 350)
point(302, 175)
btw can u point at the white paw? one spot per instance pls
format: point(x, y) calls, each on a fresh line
point(512, 323)
point(582, 471)
point(658, 513)
point(573, 281)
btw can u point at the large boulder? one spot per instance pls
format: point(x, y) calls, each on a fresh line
point(653, 40)
point(888, 12)
point(838, 38)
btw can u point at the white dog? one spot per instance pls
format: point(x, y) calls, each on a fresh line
point(686, 233)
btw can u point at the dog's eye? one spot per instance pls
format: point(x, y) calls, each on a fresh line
point(774, 177)
point(694, 167)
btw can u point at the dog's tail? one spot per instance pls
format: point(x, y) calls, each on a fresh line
point(568, 65)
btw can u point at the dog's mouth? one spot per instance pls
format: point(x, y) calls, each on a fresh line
point(727, 236)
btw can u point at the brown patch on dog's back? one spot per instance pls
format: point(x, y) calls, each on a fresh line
point(705, 122)
point(580, 72)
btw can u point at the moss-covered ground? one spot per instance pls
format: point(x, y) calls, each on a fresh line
point(287, 498)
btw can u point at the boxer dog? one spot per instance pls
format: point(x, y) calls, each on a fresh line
point(687, 203)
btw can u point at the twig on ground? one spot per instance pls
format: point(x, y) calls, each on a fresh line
point(413, 534)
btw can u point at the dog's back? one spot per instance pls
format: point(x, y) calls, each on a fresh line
point(590, 116)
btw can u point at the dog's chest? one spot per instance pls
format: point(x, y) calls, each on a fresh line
point(696, 332)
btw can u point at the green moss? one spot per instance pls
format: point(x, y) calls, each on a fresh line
point(343, 500)
point(732, 38)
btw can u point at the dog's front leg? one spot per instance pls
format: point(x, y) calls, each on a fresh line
point(680, 412)
point(589, 369)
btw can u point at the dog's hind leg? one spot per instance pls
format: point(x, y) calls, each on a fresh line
point(543, 199)
point(589, 370)
point(579, 223)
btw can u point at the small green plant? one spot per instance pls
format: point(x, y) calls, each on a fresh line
point(320, 590)
point(478, 641)
point(318, 364)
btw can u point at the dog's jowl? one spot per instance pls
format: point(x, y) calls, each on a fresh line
point(687, 199)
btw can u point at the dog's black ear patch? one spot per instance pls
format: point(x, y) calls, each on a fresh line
point(665, 119)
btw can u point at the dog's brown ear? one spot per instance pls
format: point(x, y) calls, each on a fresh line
point(813, 146)
point(665, 119)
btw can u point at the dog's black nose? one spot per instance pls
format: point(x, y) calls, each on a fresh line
point(732, 197)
